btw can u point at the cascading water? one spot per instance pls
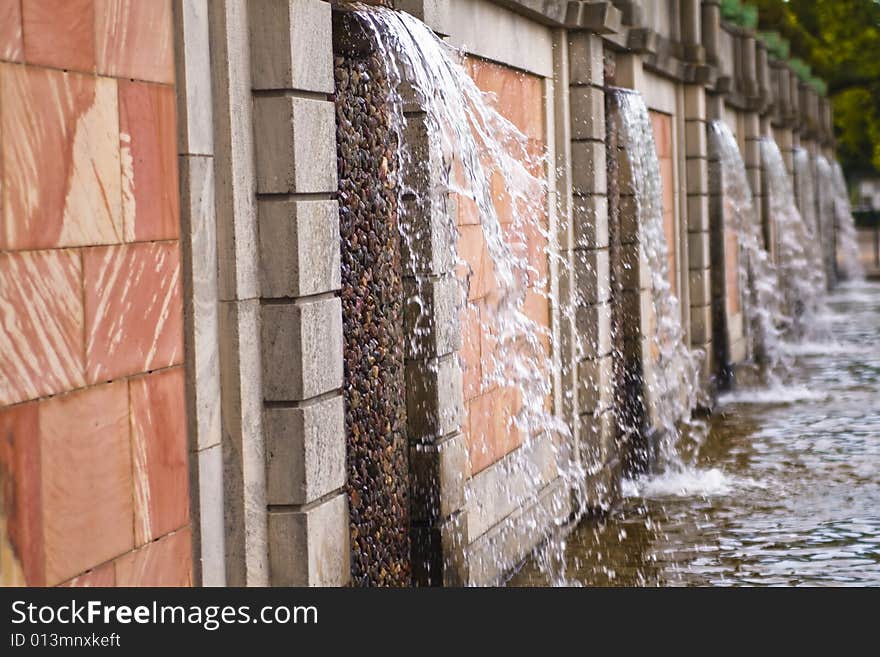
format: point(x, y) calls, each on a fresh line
point(671, 385)
point(800, 271)
point(849, 263)
point(826, 217)
point(470, 147)
point(759, 281)
point(808, 204)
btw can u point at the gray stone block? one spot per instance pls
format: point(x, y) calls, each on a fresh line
point(701, 325)
point(700, 285)
point(592, 276)
point(299, 247)
point(439, 557)
point(305, 451)
point(432, 316)
point(199, 243)
point(696, 139)
point(429, 235)
point(437, 478)
point(636, 269)
point(697, 177)
point(587, 113)
point(291, 45)
point(434, 400)
point(694, 102)
point(699, 256)
point(590, 215)
point(509, 484)
point(586, 55)
point(594, 325)
point(195, 128)
point(698, 213)
point(595, 384)
point(497, 551)
point(295, 144)
point(210, 517)
point(302, 349)
point(310, 547)
point(589, 175)
point(629, 220)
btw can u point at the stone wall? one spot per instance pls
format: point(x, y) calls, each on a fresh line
point(93, 458)
point(219, 405)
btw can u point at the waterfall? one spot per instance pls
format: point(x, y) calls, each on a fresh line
point(801, 275)
point(805, 175)
point(671, 380)
point(850, 265)
point(759, 281)
point(458, 155)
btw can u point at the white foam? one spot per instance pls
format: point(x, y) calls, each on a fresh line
point(686, 482)
point(778, 394)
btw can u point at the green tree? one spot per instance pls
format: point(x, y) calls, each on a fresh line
point(840, 40)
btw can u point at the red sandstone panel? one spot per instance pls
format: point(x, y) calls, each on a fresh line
point(470, 351)
point(59, 33)
point(148, 144)
point(519, 96)
point(60, 159)
point(104, 575)
point(11, 47)
point(20, 479)
point(41, 324)
point(662, 127)
point(481, 432)
point(86, 479)
point(158, 440)
point(133, 309)
point(134, 39)
point(490, 409)
point(166, 562)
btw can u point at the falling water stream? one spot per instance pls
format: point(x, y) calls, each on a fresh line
point(759, 281)
point(754, 494)
point(850, 265)
point(671, 385)
point(801, 276)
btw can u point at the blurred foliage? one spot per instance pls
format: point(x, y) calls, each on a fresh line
point(740, 13)
point(776, 44)
point(840, 41)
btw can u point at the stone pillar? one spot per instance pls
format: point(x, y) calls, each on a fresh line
point(711, 28)
point(699, 259)
point(238, 291)
point(299, 311)
point(433, 379)
point(195, 142)
point(691, 21)
point(590, 274)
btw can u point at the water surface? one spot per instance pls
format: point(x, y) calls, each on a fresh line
point(784, 491)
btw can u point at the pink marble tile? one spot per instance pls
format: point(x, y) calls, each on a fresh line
point(151, 205)
point(20, 488)
point(158, 440)
point(41, 324)
point(60, 159)
point(133, 309)
point(86, 479)
point(134, 39)
point(10, 30)
point(59, 33)
point(166, 562)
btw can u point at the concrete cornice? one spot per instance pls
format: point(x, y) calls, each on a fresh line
point(599, 17)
